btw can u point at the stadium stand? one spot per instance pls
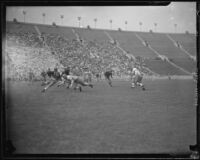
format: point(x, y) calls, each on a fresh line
point(129, 42)
point(162, 67)
point(62, 31)
point(185, 63)
point(92, 35)
point(31, 48)
point(162, 44)
point(16, 27)
point(188, 41)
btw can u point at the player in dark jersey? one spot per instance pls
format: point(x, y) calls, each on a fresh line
point(43, 74)
point(108, 75)
point(44, 77)
point(97, 76)
point(48, 75)
point(55, 77)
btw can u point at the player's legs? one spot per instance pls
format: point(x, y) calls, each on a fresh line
point(108, 80)
point(77, 86)
point(60, 83)
point(139, 82)
point(134, 81)
point(82, 83)
point(45, 83)
point(68, 83)
point(43, 80)
point(49, 85)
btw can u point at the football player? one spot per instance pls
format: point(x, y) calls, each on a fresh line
point(136, 78)
point(108, 75)
point(55, 77)
point(77, 82)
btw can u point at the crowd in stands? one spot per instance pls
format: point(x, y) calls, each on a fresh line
point(49, 50)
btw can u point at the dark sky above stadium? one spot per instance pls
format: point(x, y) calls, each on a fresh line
point(181, 13)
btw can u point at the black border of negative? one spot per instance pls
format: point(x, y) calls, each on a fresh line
point(7, 149)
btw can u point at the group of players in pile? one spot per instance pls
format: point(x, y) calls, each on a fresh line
point(51, 78)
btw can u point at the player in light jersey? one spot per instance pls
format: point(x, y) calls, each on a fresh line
point(77, 82)
point(137, 78)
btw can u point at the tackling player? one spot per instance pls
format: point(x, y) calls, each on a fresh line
point(136, 76)
point(48, 76)
point(55, 77)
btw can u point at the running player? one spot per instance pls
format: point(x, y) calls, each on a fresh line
point(137, 78)
point(55, 77)
point(108, 75)
point(77, 82)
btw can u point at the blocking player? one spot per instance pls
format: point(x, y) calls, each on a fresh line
point(77, 82)
point(48, 76)
point(108, 75)
point(136, 78)
point(55, 77)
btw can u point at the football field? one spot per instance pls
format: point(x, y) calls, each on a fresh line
point(103, 119)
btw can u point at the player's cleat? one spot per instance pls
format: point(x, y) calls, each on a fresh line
point(43, 90)
point(80, 89)
point(143, 89)
point(91, 85)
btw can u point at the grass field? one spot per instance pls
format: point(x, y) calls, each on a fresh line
point(102, 119)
